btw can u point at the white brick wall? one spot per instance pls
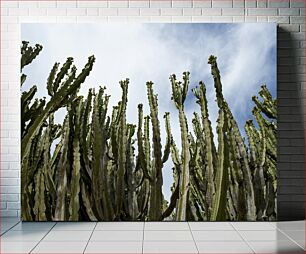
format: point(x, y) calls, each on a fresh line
point(289, 13)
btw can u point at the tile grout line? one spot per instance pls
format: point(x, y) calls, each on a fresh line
point(90, 237)
point(244, 240)
point(193, 237)
point(14, 225)
point(290, 238)
point(42, 238)
point(143, 232)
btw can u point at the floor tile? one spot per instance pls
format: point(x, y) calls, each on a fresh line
point(17, 247)
point(166, 226)
point(291, 225)
point(114, 247)
point(211, 226)
point(276, 247)
point(253, 225)
point(9, 220)
point(69, 226)
point(216, 236)
point(119, 226)
point(101, 236)
point(69, 236)
point(296, 235)
point(5, 226)
point(60, 247)
point(273, 235)
point(169, 247)
point(23, 236)
point(167, 236)
point(33, 226)
point(223, 247)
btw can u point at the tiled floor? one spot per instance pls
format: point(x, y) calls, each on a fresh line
point(152, 237)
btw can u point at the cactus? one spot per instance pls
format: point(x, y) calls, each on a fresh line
point(179, 93)
point(156, 197)
point(208, 147)
point(95, 173)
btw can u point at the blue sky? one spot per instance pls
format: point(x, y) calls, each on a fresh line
point(246, 55)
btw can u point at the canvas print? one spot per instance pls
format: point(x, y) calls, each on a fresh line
point(148, 122)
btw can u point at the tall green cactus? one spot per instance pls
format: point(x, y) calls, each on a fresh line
point(179, 94)
point(156, 197)
point(122, 149)
point(95, 173)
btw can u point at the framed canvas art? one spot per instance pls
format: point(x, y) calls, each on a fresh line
point(148, 122)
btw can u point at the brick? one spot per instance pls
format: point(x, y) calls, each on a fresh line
point(92, 11)
point(291, 182)
point(139, 19)
point(108, 11)
point(202, 3)
point(4, 11)
point(289, 28)
point(182, 4)
point(90, 19)
point(202, 19)
point(47, 4)
point(38, 11)
point(92, 4)
point(261, 19)
point(139, 4)
point(262, 3)
point(278, 3)
point(233, 12)
point(262, 12)
point(9, 213)
point(302, 11)
point(289, 11)
point(291, 150)
point(66, 4)
point(279, 19)
point(291, 198)
point(9, 197)
point(123, 19)
point(250, 3)
point(57, 12)
point(118, 4)
point(181, 19)
point(9, 181)
point(171, 11)
point(9, 4)
point(160, 4)
point(192, 11)
point(2, 205)
point(128, 12)
point(222, 19)
point(13, 205)
point(9, 173)
point(297, 3)
point(222, 3)
point(18, 12)
point(211, 11)
point(76, 12)
point(238, 3)
point(238, 19)
point(297, 20)
point(159, 19)
point(150, 12)
point(250, 19)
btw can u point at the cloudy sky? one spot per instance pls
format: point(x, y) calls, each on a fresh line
point(246, 55)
